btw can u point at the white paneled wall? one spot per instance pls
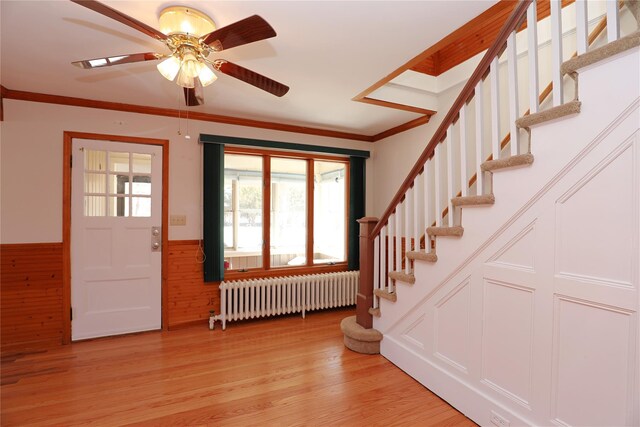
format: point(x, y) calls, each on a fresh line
point(533, 315)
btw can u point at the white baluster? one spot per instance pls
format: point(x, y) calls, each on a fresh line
point(436, 181)
point(532, 35)
point(512, 70)
point(613, 21)
point(556, 52)
point(581, 26)
point(390, 252)
point(408, 210)
point(450, 174)
point(479, 97)
point(426, 188)
point(383, 260)
point(376, 265)
point(417, 218)
point(398, 253)
point(464, 180)
point(495, 110)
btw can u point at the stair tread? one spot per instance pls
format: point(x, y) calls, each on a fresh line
point(508, 162)
point(484, 199)
point(422, 256)
point(402, 277)
point(456, 231)
point(566, 109)
point(374, 312)
point(383, 293)
point(600, 53)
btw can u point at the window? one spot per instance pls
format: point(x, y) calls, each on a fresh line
point(283, 210)
point(123, 189)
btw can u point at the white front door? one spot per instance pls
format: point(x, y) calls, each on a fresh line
point(116, 238)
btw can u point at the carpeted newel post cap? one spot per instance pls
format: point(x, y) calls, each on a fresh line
point(359, 339)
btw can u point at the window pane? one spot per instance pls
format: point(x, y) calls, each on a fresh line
point(141, 163)
point(118, 162)
point(118, 184)
point(141, 206)
point(141, 185)
point(95, 160)
point(288, 212)
point(94, 205)
point(118, 206)
point(228, 214)
point(329, 212)
point(243, 211)
point(95, 183)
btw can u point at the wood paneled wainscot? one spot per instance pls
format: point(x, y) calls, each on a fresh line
point(189, 297)
point(31, 296)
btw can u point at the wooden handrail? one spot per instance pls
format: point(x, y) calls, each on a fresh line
point(467, 92)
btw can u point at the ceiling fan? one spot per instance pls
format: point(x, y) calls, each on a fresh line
point(191, 36)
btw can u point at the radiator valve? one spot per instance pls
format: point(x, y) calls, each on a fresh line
point(212, 320)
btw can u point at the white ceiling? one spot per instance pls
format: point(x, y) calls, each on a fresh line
point(326, 51)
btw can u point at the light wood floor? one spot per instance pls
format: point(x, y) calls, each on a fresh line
point(282, 372)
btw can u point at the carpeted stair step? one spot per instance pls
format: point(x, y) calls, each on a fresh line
point(483, 200)
point(383, 293)
point(567, 109)
point(374, 312)
point(508, 162)
point(422, 256)
point(455, 231)
point(598, 54)
point(402, 277)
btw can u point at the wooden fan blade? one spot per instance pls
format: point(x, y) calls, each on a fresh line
point(105, 10)
point(117, 60)
point(249, 30)
point(194, 96)
point(251, 77)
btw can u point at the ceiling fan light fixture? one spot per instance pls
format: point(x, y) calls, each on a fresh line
point(207, 76)
point(185, 20)
point(185, 79)
point(169, 68)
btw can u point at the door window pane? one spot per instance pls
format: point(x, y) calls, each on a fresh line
point(141, 163)
point(329, 212)
point(118, 206)
point(94, 205)
point(118, 162)
point(141, 206)
point(243, 204)
point(141, 185)
point(95, 160)
point(118, 184)
point(288, 212)
point(95, 183)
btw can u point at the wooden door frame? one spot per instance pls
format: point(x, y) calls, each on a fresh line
point(66, 220)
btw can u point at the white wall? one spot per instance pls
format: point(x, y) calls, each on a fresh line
point(31, 163)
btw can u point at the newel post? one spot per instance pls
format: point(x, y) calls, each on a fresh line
point(365, 293)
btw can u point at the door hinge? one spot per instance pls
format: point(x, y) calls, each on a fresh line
point(71, 160)
point(70, 313)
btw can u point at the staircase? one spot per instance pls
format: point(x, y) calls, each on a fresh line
point(509, 286)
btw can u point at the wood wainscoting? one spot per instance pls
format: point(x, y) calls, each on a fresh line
point(189, 297)
point(30, 296)
point(31, 299)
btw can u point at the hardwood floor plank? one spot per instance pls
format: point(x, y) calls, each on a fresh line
point(285, 371)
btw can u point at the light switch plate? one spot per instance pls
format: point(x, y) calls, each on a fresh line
point(178, 220)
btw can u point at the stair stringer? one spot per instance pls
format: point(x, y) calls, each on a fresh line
point(563, 150)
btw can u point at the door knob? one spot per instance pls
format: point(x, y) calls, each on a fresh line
point(155, 245)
